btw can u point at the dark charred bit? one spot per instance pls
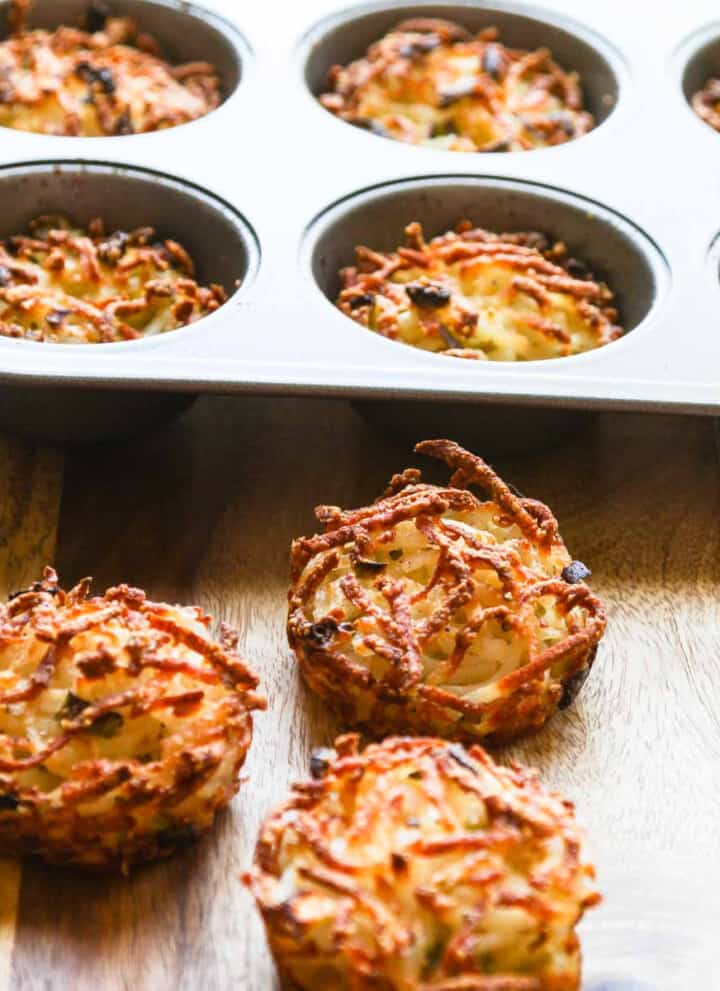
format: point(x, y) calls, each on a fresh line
point(493, 62)
point(420, 46)
point(111, 251)
point(577, 268)
point(123, 124)
point(575, 572)
point(369, 567)
point(364, 299)
point(8, 803)
point(460, 757)
point(571, 688)
point(429, 296)
point(450, 339)
point(107, 725)
point(399, 863)
point(320, 761)
point(72, 707)
point(323, 632)
point(442, 128)
point(97, 15)
point(103, 77)
point(176, 837)
point(5, 276)
point(56, 317)
point(39, 586)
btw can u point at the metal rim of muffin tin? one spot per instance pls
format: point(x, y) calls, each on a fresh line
point(280, 335)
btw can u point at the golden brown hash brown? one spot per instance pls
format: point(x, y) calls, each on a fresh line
point(416, 865)
point(471, 293)
point(110, 80)
point(430, 82)
point(706, 103)
point(70, 286)
point(123, 724)
point(437, 611)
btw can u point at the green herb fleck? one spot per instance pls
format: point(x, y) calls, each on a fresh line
point(107, 725)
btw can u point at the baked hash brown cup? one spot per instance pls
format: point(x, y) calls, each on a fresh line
point(108, 80)
point(66, 285)
point(123, 724)
point(437, 611)
point(472, 293)
point(431, 82)
point(416, 865)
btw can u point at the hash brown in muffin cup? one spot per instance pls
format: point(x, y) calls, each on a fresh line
point(472, 293)
point(108, 80)
point(66, 285)
point(438, 611)
point(123, 724)
point(416, 865)
point(430, 82)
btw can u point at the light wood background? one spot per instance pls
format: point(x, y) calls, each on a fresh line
point(204, 510)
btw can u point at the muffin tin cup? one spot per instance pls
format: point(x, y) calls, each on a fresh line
point(638, 198)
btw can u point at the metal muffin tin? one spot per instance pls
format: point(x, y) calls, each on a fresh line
point(272, 189)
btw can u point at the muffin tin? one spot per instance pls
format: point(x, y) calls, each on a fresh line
point(272, 189)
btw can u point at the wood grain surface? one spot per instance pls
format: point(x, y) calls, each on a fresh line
point(204, 510)
point(30, 488)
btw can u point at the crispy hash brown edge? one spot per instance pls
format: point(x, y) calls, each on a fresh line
point(518, 813)
point(403, 702)
point(540, 268)
point(52, 825)
point(404, 45)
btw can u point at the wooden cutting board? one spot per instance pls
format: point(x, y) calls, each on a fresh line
point(203, 511)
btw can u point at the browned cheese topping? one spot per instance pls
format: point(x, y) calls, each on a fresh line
point(71, 286)
point(430, 82)
point(416, 865)
point(123, 724)
point(110, 80)
point(436, 610)
point(472, 293)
